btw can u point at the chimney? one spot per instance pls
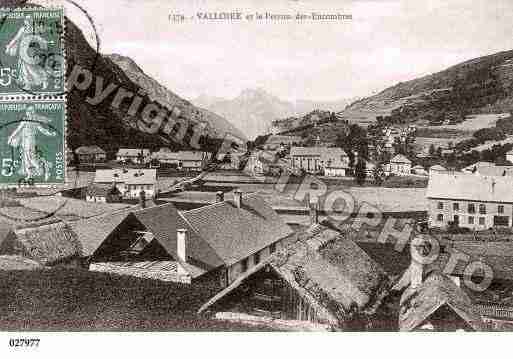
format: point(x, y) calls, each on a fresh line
point(314, 212)
point(420, 251)
point(181, 241)
point(237, 197)
point(219, 196)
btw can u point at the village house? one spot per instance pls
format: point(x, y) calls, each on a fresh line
point(469, 200)
point(334, 160)
point(134, 155)
point(437, 168)
point(158, 241)
point(399, 165)
point(129, 182)
point(322, 278)
point(274, 142)
point(91, 154)
point(419, 170)
point(98, 192)
point(183, 160)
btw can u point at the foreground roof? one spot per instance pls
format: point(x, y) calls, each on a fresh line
point(235, 233)
point(45, 244)
point(472, 187)
point(437, 290)
point(330, 272)
point(164, 221)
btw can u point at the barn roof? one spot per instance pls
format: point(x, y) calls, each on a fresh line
point(46, 244)
point(235, 233)
point(133, 152)
point(329, 271)
point(437, 290)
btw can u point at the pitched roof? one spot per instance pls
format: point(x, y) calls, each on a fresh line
point(164, 221)
point(126, 175)
point(399, 158)
point(472, 187)
point(491, 170)
point(89, 150)
point(133, 152)
point(92, 232)
point(329, 271)
point(235, 233)
point(437, 290)
point(46, 244)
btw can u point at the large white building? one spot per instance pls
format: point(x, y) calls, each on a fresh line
point(470, 200)
point(332, 161)
point(129, 182)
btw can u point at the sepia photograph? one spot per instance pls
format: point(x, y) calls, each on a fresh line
point(227, 167)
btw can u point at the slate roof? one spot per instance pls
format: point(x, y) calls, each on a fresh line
point(437, 290)
point(164, 221)
point(400, 159)
point(468, 186)
point(92, 232)
point(89, 150)
point(437, 168)
point(126, 175)
point(235, 233)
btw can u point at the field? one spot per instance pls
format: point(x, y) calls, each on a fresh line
point(65, 299)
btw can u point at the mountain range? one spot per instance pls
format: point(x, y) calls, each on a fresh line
point(481, 85)
point(253, 110)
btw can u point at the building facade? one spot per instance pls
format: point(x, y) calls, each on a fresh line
point(331, 161)
point(469, 200)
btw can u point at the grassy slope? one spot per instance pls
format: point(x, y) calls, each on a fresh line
point(65, 299)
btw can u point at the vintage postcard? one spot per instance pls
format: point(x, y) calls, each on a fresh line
point(240, 166)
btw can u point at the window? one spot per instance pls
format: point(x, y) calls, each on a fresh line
point(471, 208)
point(482, 209)
point(500, 208)
point(272, 247)
point(481, 221)
point(244, 265)
point(257, 258)
point(440, 205)
point(440, 217)
point(456, 206)
point(456, 219)
point(470, 220)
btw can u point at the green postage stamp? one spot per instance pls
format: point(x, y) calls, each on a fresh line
point(32, 142)
point(31, 51)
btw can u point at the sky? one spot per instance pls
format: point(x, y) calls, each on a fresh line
point(386, 42)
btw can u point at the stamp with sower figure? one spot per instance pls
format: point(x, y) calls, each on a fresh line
point(31, 51)
point(32, 142)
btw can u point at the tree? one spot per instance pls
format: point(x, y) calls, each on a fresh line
point(359, 171)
